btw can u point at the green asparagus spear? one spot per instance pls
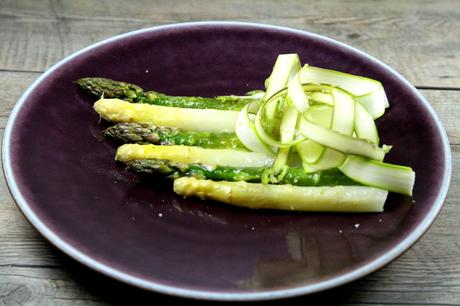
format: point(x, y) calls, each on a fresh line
point(132, 132)
point(293, 175)
point(133, 93)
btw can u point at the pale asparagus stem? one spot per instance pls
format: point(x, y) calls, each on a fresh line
point(285, 197)
point(200, 120)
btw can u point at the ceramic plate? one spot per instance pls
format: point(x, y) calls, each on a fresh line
point(63, 176)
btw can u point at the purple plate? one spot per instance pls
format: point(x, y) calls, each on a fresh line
point(62, 173)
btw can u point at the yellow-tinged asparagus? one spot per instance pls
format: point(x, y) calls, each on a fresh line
point(188, 119)
point(285, 197)
point(190, 155)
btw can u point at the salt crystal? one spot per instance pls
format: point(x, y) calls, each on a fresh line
point(340, 231)
point(253, 228)
point(356, 225)
point(160, 215)
point(380, 220)
point(146, 71)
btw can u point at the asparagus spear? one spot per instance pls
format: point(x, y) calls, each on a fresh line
point(132, 132)
point(285, 197)
point(200, 120)
point(186, 154)
point(133, 93)
point(294, 175)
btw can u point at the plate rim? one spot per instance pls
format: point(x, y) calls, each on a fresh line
point(94, 264)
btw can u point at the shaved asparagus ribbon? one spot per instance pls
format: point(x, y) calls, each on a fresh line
point(306, 128)
point(329, 117)
point(368, 92)
point(342, 121)
point(246, 132)
point(373, 173)
point(326, 138)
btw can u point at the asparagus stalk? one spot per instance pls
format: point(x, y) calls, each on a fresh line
point(285, 197)
point(133, 93)
point(293, 175)
point(186, 154)
point(285, 68)
point(132, 132)
point(204, 120)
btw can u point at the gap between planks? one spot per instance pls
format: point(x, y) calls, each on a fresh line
point(421, 87)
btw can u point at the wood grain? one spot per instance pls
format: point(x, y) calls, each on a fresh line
point(418, 38)
point(34, 272)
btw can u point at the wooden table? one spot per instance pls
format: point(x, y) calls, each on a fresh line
point(420, 39)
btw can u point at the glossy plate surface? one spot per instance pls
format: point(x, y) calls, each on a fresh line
point(62, 173)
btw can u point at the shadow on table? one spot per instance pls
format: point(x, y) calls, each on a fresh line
point(107, 290)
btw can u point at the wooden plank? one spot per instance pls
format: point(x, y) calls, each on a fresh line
point(419, 39)
point(77, 285)
point(34, 272)
point(445, 104)
point(42, 286)
point(13, 84)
